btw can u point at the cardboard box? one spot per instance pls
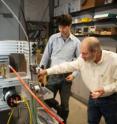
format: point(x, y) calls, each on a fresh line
point(91, 3)
point(114, 31)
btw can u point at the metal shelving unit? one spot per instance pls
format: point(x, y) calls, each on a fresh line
point(94, 9)
point(99, 23)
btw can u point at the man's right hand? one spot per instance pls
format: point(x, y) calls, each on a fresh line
point(41, 79)
point(41, 74)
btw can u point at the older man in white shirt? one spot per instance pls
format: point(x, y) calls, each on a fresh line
point(98, 69)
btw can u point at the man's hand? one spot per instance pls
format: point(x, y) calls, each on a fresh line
point(41, 79)
point(69, 77)
point(97, 93)
point(41, 74)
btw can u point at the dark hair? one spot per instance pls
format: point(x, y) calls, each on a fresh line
point(64, 20)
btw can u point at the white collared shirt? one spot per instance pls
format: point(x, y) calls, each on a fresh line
point(95, 75)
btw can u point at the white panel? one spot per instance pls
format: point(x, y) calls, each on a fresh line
point(12, 46)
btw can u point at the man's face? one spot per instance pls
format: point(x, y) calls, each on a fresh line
point(86, 54)
point(64, 30)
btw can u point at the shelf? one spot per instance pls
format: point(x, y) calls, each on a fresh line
point(106, 7)
point(84, 24)
point(102, 23)
point(94, 9)
point(97, 22)
point(109, 36)
point(105, 23)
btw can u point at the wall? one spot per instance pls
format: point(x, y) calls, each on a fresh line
point(9, 28)
point(36, 10)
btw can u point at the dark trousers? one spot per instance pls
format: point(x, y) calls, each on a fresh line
point(106, 107)
point(57, 83)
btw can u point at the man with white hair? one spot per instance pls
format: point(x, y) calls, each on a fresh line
point(98, 69)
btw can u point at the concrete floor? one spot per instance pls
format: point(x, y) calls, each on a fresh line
point(78, 112)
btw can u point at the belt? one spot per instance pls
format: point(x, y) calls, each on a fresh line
point(61, 75)
point(106, 97)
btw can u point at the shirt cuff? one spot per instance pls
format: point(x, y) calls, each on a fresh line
point(37, 69)
point(49, 72)
point(108, 89)
point(75, 74)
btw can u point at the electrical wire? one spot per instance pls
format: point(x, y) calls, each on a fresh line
point(50, 112)
point(9, 119)
point(34, 111)
point(28, 107)
point(16, 18)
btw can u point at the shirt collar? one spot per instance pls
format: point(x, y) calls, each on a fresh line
point(102, 58)
point(71, 36)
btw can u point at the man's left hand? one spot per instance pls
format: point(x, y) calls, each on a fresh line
point(97, 93)
point(69, 77)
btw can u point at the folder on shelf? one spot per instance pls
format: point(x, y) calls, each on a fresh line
point(106, 15)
